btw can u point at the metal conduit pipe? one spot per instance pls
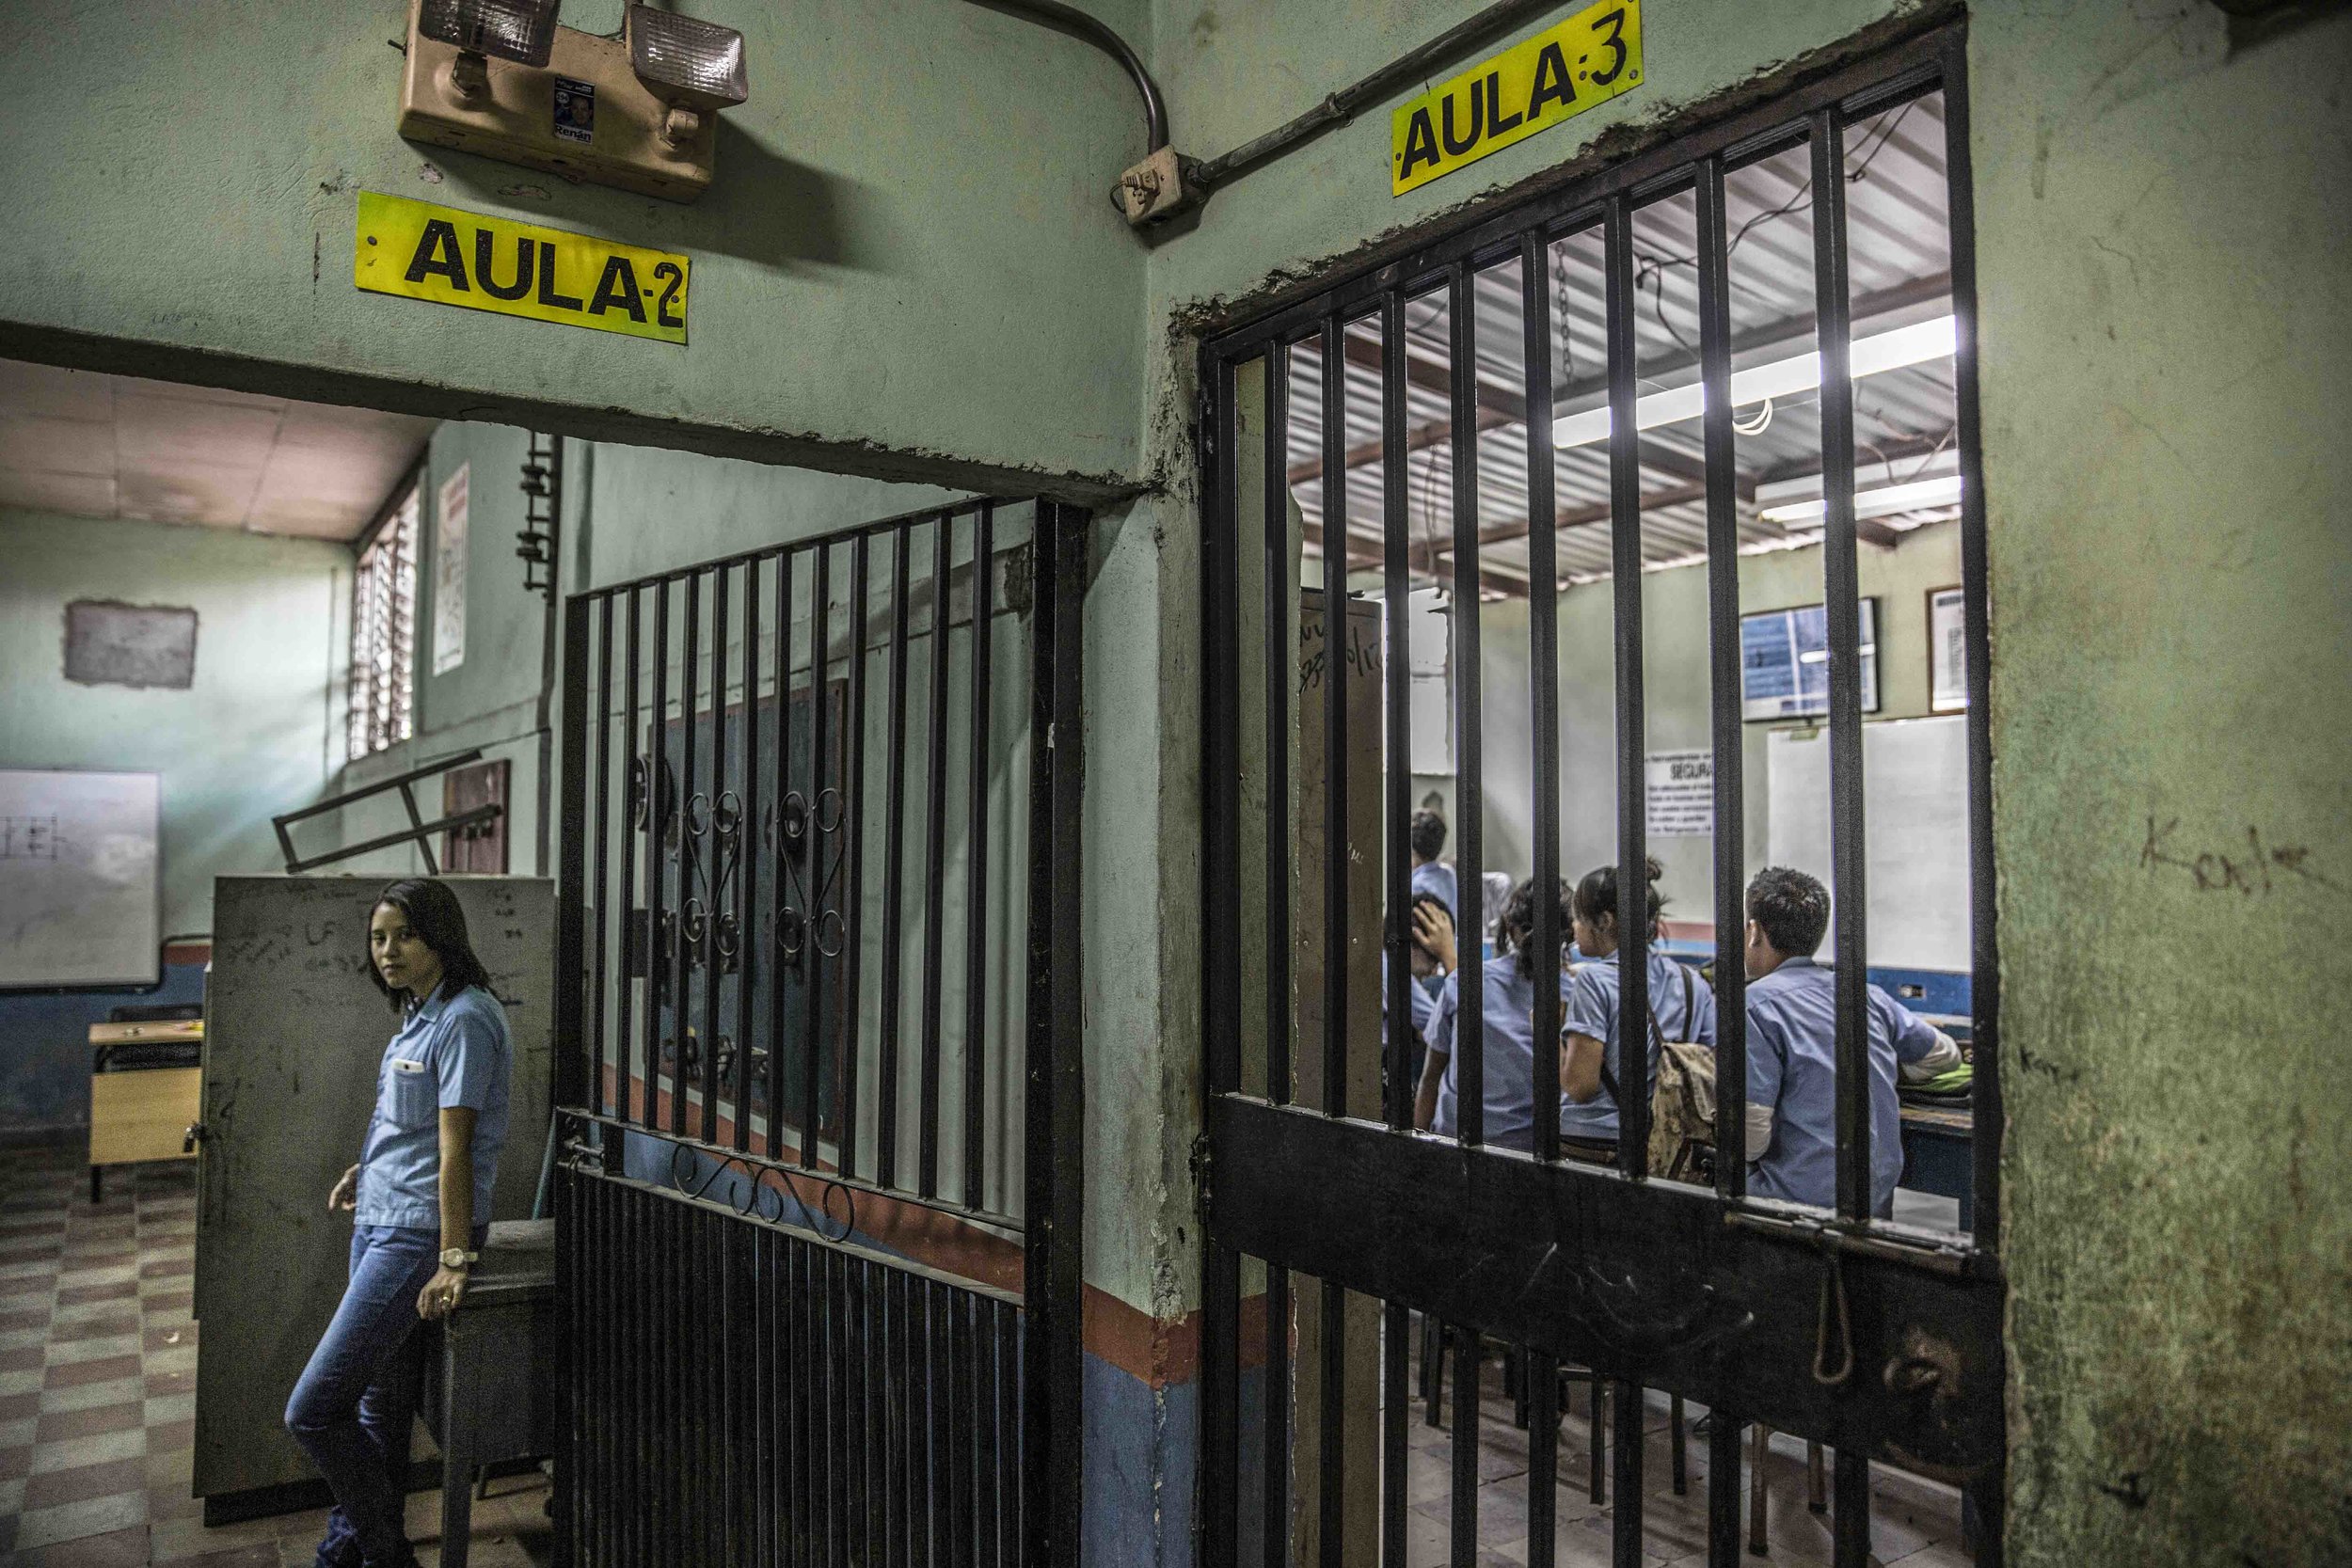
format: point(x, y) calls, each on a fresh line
point(1078, 24)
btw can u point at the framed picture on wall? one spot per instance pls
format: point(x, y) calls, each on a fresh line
point(1783, 663)
point(1948, 651)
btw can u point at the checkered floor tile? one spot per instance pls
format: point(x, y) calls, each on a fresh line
point(98, 1389)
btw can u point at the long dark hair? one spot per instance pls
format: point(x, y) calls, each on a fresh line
point(1514, 934)
point(1597, 895)
point(439, 921)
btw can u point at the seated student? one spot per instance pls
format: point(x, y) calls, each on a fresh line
point(1427, 838)
point(1507, 999)
point(1431, 957)
point(1792, 1052)
point(1681, 1002)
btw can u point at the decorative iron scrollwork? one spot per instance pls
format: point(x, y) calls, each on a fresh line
point(766, 1181)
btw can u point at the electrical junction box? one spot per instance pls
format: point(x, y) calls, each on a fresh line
point(582, 117)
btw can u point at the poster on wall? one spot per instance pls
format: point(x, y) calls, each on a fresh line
point(1783, 663)
point(449, 573)
point(1681, 793)
point(1948, 651)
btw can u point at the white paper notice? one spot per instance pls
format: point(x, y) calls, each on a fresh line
point(1681, 794)
point(448, 574)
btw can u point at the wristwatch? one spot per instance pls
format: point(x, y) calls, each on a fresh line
point(458, 1258)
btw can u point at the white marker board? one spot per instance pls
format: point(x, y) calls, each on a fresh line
point(81, 871)
point(1915, 814)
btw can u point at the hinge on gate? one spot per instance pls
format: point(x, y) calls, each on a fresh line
point(1199, 1164)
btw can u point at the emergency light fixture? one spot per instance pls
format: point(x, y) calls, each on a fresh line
point(502, 79)
point(696, 66)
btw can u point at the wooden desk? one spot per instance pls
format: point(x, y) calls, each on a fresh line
point(1939, 1155)
point(142, 1113)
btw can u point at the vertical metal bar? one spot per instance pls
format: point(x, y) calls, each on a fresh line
point(1009, 1536)
point(813, 1052)
point(1331, 1416)
point(986, 1452)
point(713, 885)
point(1626, 1472)
point(1395, 881)
point(1464, 1550)
point(602, 836)
point(893, 1476)
point(868, 1382)
point(661, 801)
point(1723, 671)
point(1976, 605)
point(1625, 565)
point(626, 1103)
point(894, 857)
point(1333, 375)
point(976, 867)
point(748, 967)
point(1990, 1492)
point(1281, 677)
point(1724, 1432)
point(1543, 1444)
point(962, 1447)
point(854, 862)
point(1543, 621)
point(838, 1360)
point(1052, 1412)
point(935, 853)
point(573, 1048)
point(780, 902)
point(1275, 1472)
point(1841, 584)
point(1221, 860)
point(1395, 1330)
point(1850, 1526)
point(1470, 1031)
point(689, 704)
point(938, 1396)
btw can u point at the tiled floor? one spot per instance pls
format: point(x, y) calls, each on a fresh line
point(1914, 1522)
point(98, 1389)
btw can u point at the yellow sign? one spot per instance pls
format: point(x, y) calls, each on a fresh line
point(1559, 72)
point(481, 262)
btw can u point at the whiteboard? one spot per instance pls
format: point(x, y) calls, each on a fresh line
point(81, 901)
point(1914, 822)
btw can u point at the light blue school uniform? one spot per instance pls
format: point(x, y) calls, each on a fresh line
point(1793, 1068)
point(452, 1050)
point(1592, 1009)
point(1437, 880)
point(1509, 1061)
point(1423, 1002)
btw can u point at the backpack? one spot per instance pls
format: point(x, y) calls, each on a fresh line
point(1682, 1103)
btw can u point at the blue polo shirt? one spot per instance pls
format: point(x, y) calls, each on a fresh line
point(1592, 1009)
point(1509, 1062)
point(452, 1050)
point(1437, 880)
point(1793, 1068)
point(1424, 1003)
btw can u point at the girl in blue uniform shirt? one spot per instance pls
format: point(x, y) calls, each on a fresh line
point(420, 1198)
point(1507, 994)
point(1591, 1029)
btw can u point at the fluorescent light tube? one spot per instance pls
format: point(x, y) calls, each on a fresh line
point(1886, 350)
point(1941, 491)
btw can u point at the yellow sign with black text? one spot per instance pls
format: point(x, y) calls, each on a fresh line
point(420, 251)
point(1558, 74)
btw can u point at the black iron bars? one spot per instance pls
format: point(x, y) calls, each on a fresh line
point(1470, 1033)
point(935, 856)
point(818, 836)
point(976, 920)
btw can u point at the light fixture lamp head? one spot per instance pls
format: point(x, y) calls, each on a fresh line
point(696, 66)
point(518, 30)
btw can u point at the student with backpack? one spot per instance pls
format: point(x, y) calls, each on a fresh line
point(1682, 1010)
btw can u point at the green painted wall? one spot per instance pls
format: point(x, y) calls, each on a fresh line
point(914, 192)
point(260, 730)
point(1676, 692)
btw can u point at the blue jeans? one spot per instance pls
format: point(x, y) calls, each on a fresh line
point(355, 1405)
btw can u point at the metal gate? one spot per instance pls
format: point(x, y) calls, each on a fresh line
point(817, 1191)
point(1572, 390)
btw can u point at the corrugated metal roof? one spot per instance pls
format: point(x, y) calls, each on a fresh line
point(1898, 264)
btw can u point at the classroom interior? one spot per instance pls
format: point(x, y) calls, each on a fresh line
point(953, 910)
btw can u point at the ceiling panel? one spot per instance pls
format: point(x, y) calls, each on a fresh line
point(105, 446)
